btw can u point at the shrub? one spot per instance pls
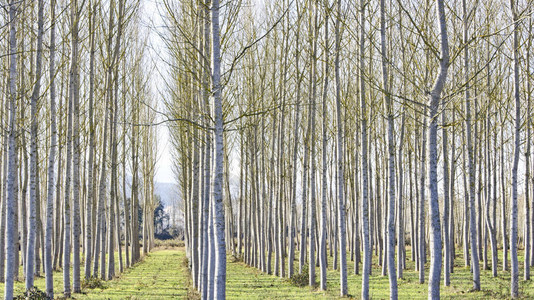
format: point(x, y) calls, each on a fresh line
point(172, 243)
point(93, 283)
point(300, 279)
point(33, 294)
point(235, 258)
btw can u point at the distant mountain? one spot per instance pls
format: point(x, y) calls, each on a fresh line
point(168, 193)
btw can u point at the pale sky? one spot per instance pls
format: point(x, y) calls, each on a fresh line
point(151, 21)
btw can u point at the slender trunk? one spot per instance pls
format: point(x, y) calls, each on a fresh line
point(471, 167)
point(435, 98)
point(75, 16)
point(504, 210)
point(528, 233)
point(220, 269)
point(446, 201)
point(322, 244)
point(67, 199)
point(204, 242)
point(90, 191)
point(490, 199)
point(51, 158)
point(11, 230)
point(58, 206)
point(342, 230)
point(365, 169)
point(293, 210)
point(390, 245)
point(452, 241)
point(421, 244)
point(313, 196)
point(30, 254)
point(6, 110)
point(514, 290)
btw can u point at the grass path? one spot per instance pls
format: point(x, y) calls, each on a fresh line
point(162, 275)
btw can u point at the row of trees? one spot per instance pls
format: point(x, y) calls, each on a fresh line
point(76, 99)
point(417, 144)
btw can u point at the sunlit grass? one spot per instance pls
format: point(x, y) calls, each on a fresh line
point(163, 274)
point(245, 282)
point(160, 275)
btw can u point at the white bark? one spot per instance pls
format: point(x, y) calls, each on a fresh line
point(90, 171)
point(11, 230)
point(66, 201)
point(322, 243)
point(435, 98)
point(51, 159)
point(472, 226)
point(220, 269)
point(421, 244)
point(366, 270)
point(340, 171)
point(446, 202)
point(514, 289)
point(390, 244)
point(293, 210)
point(76, 285)
point(30, 250)
point(528, 254)
point(204, 213)
point(4, 195)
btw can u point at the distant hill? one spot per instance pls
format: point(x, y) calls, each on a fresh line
point(168, 193)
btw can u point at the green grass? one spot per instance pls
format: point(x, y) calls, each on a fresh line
point(244, 282)
point(163, 274)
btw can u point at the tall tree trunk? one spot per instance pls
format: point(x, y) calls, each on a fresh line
point(528, 233)
point(514, 289)
point(491, 200)
point(435, 98)
point(446, 201)
point(322, 244)
point(11, 230)
point(58, 205)
point(340, 178)
point(30, 254)
point(90, 171)
point(421, 244)
point(293, 205)
point(51, 158)
point(67, 198)
point(205, 212)
point(366, 272)
point(220, 269)
point(390, 227)
point(6, 110)
point(471, 167)
point(313, 197)
point(75, 17)
point(504, 210)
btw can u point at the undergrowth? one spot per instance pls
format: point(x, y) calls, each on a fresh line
point(93, 283)
point(33, 294)
point(192, 293)
point(300, 279)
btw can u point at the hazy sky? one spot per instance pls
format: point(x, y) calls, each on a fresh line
point(151, 22)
